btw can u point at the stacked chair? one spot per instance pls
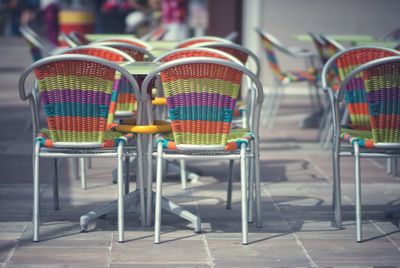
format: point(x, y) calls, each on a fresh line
point(369, 86)
point(283, 78)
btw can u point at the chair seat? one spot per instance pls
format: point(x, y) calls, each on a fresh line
point(300, 75)
point(236, 137)
point(364, 137)
point(111, 138)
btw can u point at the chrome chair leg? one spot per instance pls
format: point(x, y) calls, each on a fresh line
point(82, 172)
point(182, 167)
point(36, 193)
point(243, 185)
point(358, 191)
point(121, 193)
point(157, 221)
point(56, 203)
point(230, 182)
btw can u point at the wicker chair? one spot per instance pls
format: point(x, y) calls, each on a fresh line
point(78, 94)
point(128, 40)
point(195, 40)
point(113, 55)
point(251, 61)
point(282, 78)
point(356, 103)
point(381, 87)
point(201, 94)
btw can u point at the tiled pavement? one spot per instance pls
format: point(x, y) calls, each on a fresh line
point(297, 215)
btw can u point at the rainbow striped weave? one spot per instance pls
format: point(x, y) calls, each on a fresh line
point(201, 99)
point(355, 96)
point(382, 84)
point(123, 98)
point(293, 76)
point(76, 96)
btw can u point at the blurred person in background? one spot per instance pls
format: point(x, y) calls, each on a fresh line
point(23, 12)
point(49, 9)
point(146, 16)
point(174, 19)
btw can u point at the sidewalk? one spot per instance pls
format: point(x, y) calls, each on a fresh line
point(296, 186)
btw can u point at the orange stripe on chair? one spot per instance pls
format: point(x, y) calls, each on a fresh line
point(201, 127)
point(71, 123)
point(358, 108)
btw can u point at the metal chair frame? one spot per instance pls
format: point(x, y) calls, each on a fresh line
point(338, 150)
point(182, 165)
point(75, 150)
point(383, 150)
point(242, 154)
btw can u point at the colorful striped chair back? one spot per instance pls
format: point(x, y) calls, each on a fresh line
point(239, 52)
point(382, 85)
point(123, 96)
point(127, 40)
point(268, 44)
point(330, 48)
point(354, 93)
point(195, 52)
point(196, 40)
point(137, 53)
point(126, 103)
point(76, 96)
point(79, 38)
point(319, 45)
point(201, 98)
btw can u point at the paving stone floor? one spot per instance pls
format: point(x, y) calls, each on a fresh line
point(298, 230)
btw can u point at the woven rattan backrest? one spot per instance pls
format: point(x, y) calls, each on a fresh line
point(195, 52)
point(239, 52)
point(196, 40)
point(268, 46)
point(354, 93)
point(123, 98)
point(382, 85)
point(137, 53)
point(76, 96)
point(201, 98)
